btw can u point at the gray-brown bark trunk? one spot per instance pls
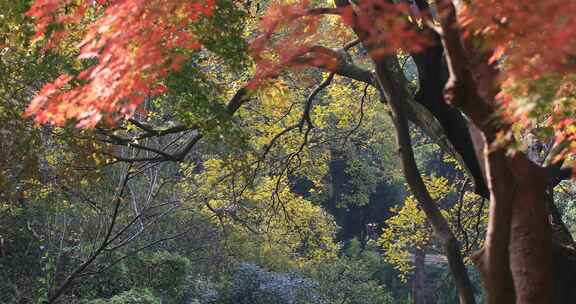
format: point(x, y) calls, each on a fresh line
point(385, 69)
point(418, 281)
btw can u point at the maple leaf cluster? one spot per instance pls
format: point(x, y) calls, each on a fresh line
point(535, 46)
point(387, 27)
point(289, 31)
point(275, 53)
point(135, 43)
point(535, 36)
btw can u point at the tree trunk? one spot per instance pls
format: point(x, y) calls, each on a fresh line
point(530, 238)
point(418, 286)
point(387, 74)
point(516, 260)
point(386, 70)
point(517, 257)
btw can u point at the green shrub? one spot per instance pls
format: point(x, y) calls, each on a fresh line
point(132, 296)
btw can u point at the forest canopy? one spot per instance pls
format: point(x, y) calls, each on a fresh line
point(287, 151)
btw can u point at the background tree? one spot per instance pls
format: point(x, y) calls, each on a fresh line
point(255, 146)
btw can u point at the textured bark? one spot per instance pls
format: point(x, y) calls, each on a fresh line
point(386, 69)
point(494, 261)
point(530, 238)
point(433, 75)
point(516, 260)
point(418, 281)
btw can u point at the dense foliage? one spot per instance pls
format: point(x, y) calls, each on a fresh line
point(214, 151)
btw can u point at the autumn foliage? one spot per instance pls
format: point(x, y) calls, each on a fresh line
point(530, 41)
point(135, 43)
point(289, 34)
point(533, 42)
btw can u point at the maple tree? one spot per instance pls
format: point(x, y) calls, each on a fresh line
point(475, 37)
point(77, 205)
point(503, 74)
point(136, 43)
